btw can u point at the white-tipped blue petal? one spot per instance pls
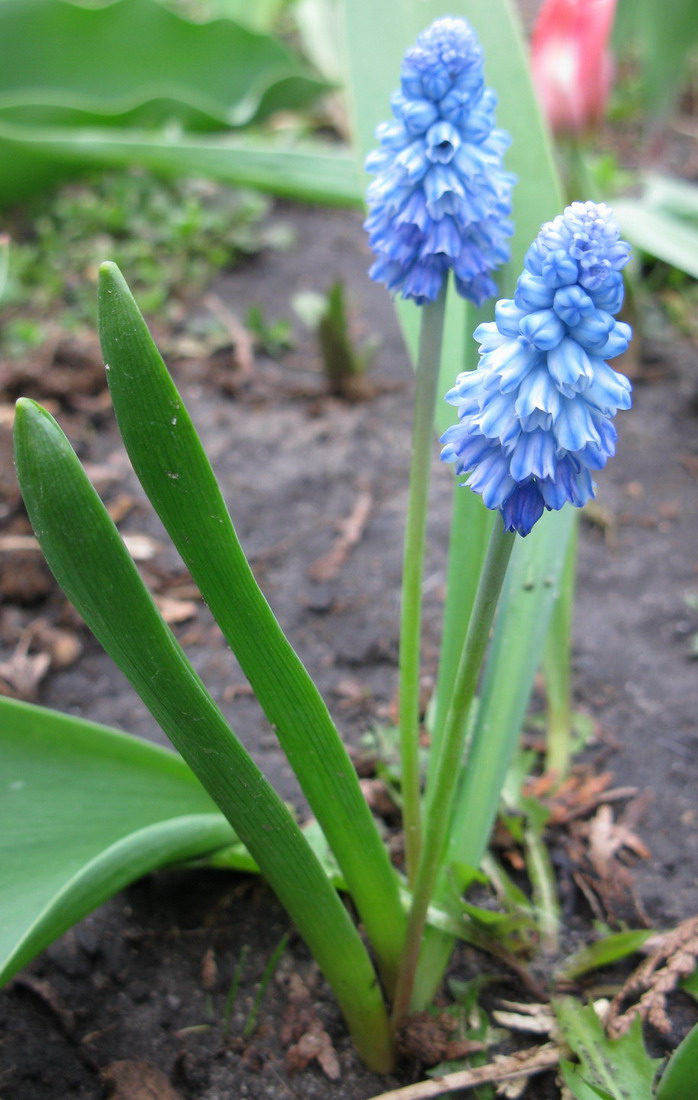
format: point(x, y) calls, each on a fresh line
point(569, 367)
point(572, 304)
point(533, 456)
point(443, 142)
point(574, 426)
point(559, 269)
point(508, 317)
point(593, 331)
point(489, 336)
point(533, 293)
point(610, 389)
point(511, 363)
point(618, 341)
point(543, 328)
point(610, 294)
point(537, 394)
point(417, 114)
point(491, 478)
point(522, 509)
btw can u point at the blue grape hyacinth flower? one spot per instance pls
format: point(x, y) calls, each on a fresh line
point(535, 417)
point(441, 198)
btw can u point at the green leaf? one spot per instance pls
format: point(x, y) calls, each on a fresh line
point(62, 63)
point(33, 157)
point(664, 36)
point(663, 221)
point(117, 84)
point(173, 468)
point(4, 263)
point(519, 635)
point(99, 577)
point(619, 1069)
point(319, 24)
point(618, 945)
point(690, 984)
point(678, 1081)
point(260, 16)
point(580, 1088)
point(84, 811)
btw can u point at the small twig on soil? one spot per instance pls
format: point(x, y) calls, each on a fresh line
point(524, 1063)
point(677, 950)
point(351, 529)
point(242, 339)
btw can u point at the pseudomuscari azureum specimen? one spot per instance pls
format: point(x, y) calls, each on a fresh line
point(441, 198)
point(535, 417)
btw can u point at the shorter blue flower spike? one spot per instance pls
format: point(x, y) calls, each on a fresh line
point(535, 417)
point(441, 199)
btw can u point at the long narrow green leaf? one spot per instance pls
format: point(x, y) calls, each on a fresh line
point(84, 811)
point(663, 221)
point(664, 35)
point(175, 472)
point(609, 949)
point(90, 561)
point(32, 157)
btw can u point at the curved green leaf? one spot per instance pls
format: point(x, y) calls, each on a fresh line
point(84, 810)
point(679, 1079)
point(173, 468)
point(617, 1069)
point(663, 221)
point(133, 59)
point(91, 563)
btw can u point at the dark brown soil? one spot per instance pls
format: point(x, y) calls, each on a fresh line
point(145, 978)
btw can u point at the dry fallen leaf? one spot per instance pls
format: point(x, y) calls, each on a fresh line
point(125, 1080)
point(22, 673)
point(430, 1039)
point(141, 547)
point(315, 1044)
point(176, 611)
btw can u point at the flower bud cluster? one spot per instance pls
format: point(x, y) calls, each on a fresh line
point(441, 198)
point(535, 417)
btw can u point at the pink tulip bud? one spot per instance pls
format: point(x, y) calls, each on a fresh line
point(572, 64)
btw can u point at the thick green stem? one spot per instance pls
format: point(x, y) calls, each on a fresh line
point(450, 758)
point(427, 379)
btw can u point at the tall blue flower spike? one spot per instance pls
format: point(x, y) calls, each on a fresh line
point(441, 198)
point(535, 417)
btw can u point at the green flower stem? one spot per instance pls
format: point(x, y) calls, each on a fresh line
point(471, 524)
point(91, 563)
point(450, 758)
point(532, 584)
point(174, 470)
point(427, 380)
point(557, 669)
